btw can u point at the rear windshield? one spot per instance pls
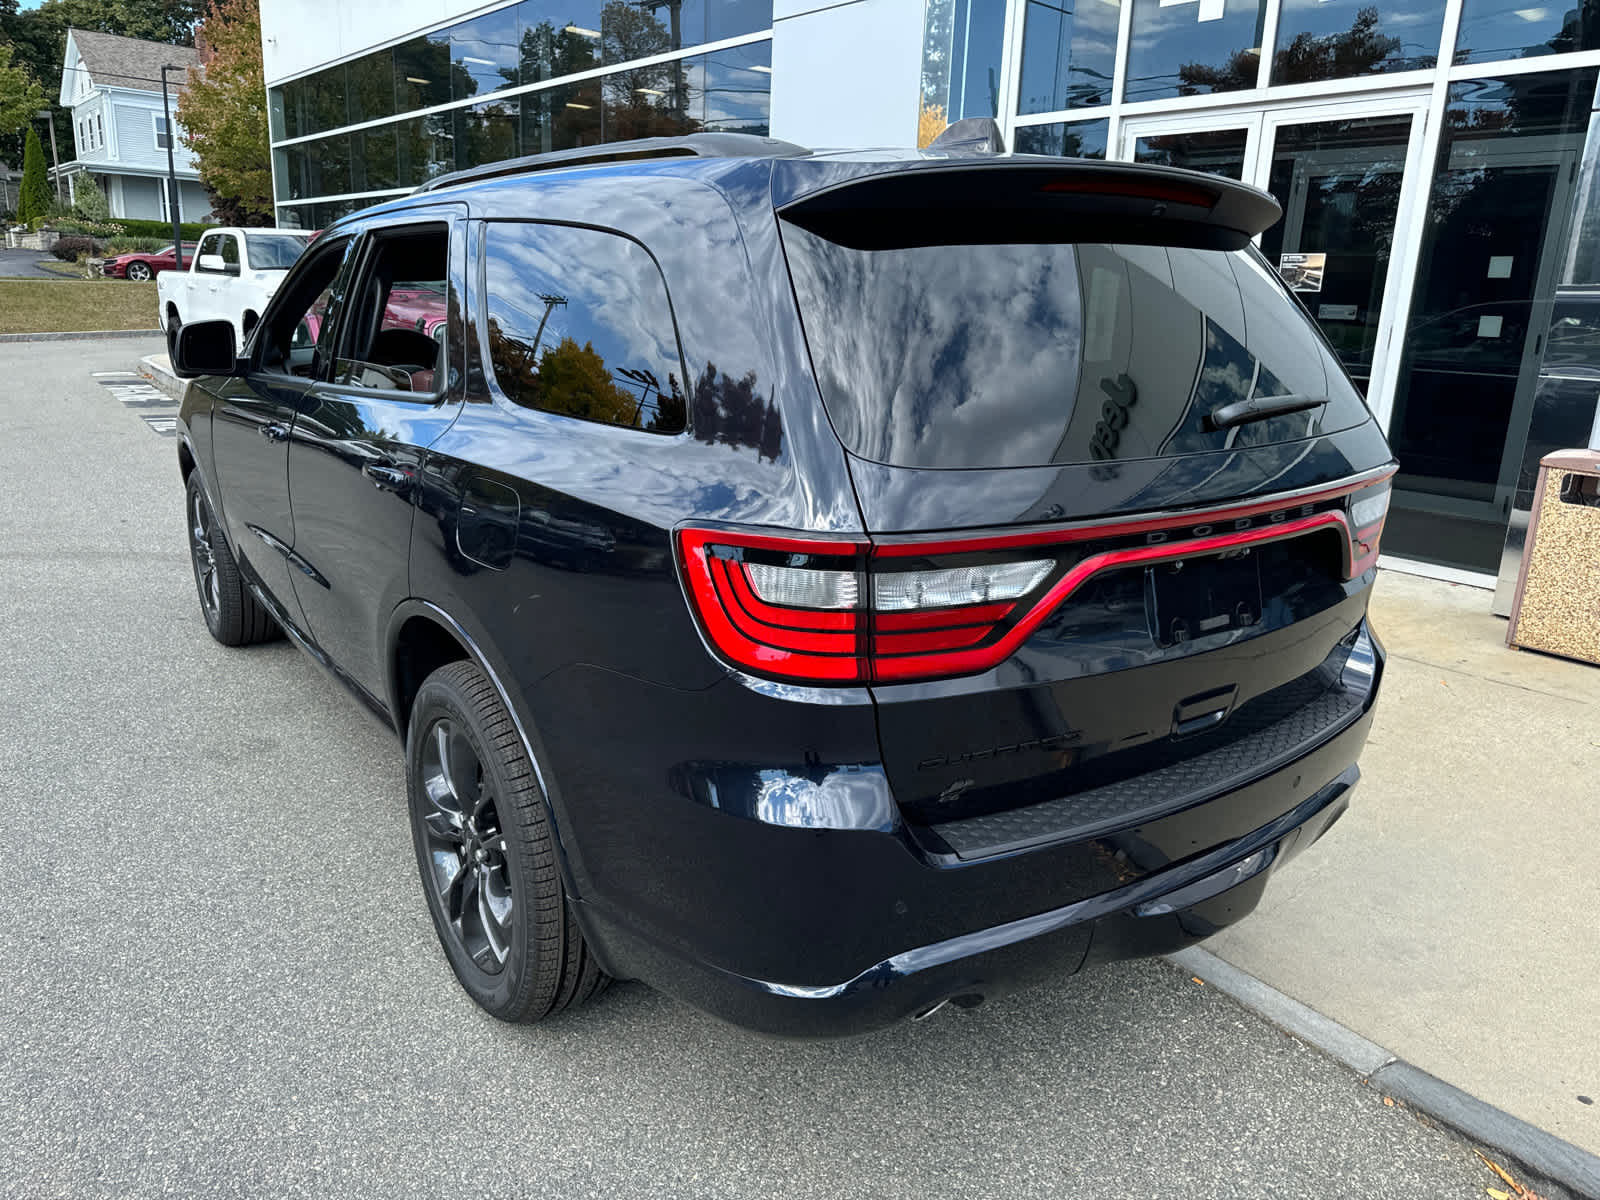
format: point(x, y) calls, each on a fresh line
point(1026, 355)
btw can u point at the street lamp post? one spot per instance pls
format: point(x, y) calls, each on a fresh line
point(55, 159)
point(172, 170)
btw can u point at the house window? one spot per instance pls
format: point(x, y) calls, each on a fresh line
point(163, 137)
point(99, 130)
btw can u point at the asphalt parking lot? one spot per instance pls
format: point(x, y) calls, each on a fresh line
point(218, 978)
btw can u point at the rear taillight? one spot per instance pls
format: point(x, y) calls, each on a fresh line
point(823, 611)
point(1367, 511)
point(846, 610)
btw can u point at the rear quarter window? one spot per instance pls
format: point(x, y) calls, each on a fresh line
point(983, 356)
point(579, 324)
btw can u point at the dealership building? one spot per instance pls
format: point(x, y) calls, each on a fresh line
point(1429, 158)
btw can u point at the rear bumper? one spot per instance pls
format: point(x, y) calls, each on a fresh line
point(1157, 915)
point(840, 892)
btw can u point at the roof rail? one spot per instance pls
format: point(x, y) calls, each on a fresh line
point(694, 145)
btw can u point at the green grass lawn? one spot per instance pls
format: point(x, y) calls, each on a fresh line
point(65, 269)
point(48, 306)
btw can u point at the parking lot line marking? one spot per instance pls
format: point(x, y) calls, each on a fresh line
point(133, 391)
point(164, 426)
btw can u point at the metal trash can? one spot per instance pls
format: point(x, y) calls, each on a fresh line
point(1557, 603)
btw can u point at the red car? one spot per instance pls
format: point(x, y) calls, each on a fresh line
point(142, 265)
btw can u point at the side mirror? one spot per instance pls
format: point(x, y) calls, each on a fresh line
point(206, 348)
point(213, 263)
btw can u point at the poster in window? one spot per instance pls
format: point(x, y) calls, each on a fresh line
point(1302, 272)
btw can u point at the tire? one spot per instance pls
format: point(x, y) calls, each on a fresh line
point(485, 848)
point(139, 272)
point(174, 323)
point(233, 615)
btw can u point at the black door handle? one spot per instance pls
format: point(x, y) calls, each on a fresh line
point(274, 432)
point(389, 478)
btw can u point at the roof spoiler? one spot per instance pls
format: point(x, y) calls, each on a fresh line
point(1024, 199)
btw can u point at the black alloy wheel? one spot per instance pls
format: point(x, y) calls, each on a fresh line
point(140, 271)
point(466, 850)
point(233, 615)
point(205, 558)
point(486, 853)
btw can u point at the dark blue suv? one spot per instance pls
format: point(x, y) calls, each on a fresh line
point(821, 586)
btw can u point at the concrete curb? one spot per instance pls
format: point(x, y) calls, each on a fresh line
point(1531, 1148)
point(79, 335)
point(157, 368)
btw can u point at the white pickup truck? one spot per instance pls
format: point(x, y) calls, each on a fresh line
point(231, 277)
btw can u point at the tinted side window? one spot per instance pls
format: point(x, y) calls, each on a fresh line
point(579, 324)
point(229, 250)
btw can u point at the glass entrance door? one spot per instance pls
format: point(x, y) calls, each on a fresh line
point(1344, 174)
point(1342, 178)
point(1226, 147)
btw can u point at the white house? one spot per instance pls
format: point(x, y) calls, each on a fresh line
point(112, 85)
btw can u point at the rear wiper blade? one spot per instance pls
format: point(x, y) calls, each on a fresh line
point(1259, 408)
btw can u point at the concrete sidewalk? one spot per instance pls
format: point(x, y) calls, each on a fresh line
point(1454, 915)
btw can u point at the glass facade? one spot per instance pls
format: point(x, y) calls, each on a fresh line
point(1443, 268)
point(1191, 47)
point(499, 77)
point(1338, 39)
point(1069, 52)
point(961, 49)
point(1075, 139)
point(1494, 30)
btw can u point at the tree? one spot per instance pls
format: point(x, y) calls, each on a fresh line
point(91, 201)
point(20, 96)
point(223, 111)
point(34, 198)
point(1360, 50)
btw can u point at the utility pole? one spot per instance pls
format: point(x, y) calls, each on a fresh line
point(55, 158)
point(172, 169)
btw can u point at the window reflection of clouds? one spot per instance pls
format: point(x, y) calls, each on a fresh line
point(1009, 313)
point(992, 356)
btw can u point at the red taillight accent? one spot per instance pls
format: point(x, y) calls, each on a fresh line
point(939, 618)
point(966, 662)
point(858, 645)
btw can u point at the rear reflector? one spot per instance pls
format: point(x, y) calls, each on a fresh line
point(832, 610)
point(1369, 507)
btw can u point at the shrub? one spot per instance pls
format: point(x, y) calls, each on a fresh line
point(70, 249)
point(161, 229)
point(90, 202)
point(123, 244)
point(96, 229)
